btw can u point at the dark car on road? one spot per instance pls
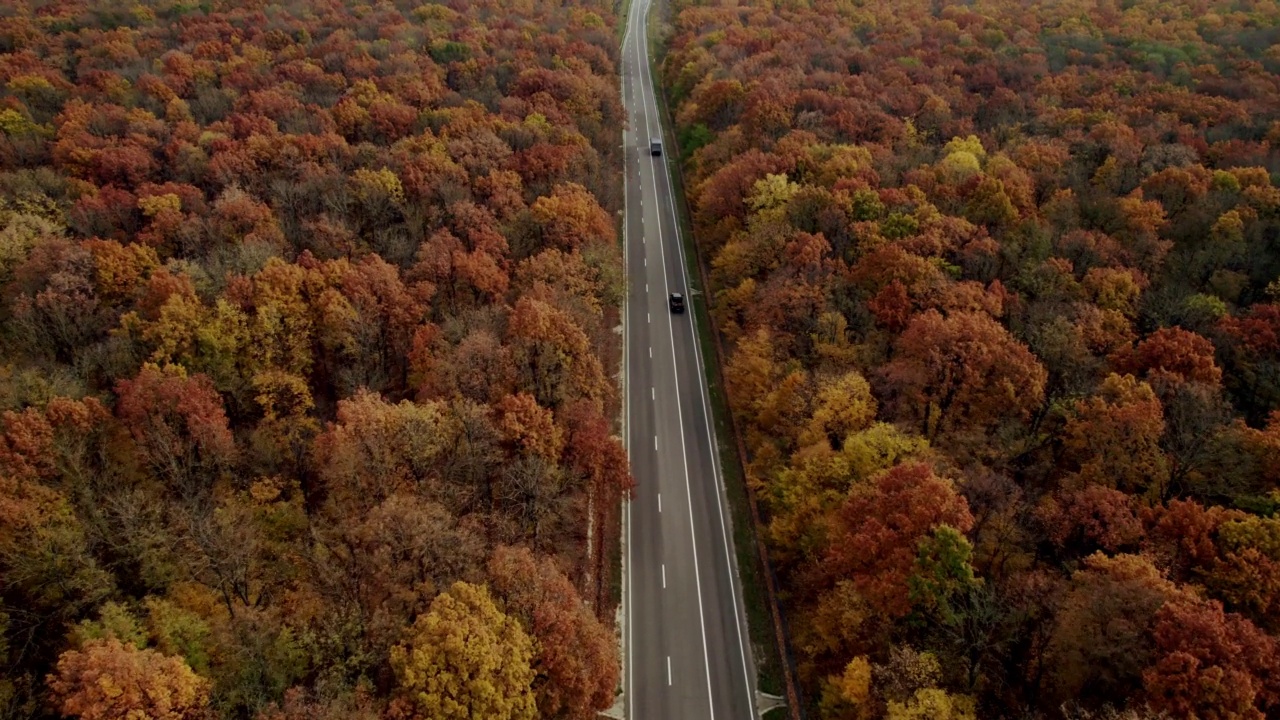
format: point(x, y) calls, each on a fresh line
point(655, 146)
point(677, 303)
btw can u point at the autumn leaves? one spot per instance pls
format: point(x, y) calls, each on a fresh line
point(308, 321)
point(1003, 320)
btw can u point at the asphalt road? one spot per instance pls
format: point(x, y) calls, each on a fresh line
point(687, 649)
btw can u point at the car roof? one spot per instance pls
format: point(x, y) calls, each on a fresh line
point(676, 295)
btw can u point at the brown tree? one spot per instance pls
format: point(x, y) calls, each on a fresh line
point(106, 680)
point(575, 658)
point(1102, 637)
point(961, 373)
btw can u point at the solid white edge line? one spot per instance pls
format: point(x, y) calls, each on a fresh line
point(715, 455)
point(628, 635)
point(684, 454)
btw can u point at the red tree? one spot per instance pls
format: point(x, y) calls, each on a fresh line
point(875, 534)
point(1211, 665)
point(962, 372)
point(576, 659)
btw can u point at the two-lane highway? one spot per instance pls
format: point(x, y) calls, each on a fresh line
point(688, 653)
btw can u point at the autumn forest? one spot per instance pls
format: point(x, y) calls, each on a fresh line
point(1000, 282)
point(308, 352)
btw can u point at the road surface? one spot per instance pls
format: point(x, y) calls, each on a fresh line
point(687, 649)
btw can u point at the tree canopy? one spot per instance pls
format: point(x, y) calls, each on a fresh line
point(307, 320)
point(998, 290)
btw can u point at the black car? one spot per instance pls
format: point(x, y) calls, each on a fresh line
point(677, 303)
point(655, 146)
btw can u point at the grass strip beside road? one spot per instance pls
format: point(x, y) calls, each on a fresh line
point(623, 9)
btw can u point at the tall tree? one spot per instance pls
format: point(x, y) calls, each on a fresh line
point(575, 657)
point(961, 373)
point(464, 658)
point(1211, 664)
point(1102, 640)
point(107, 679)
point(180, 426)
point(876, 532)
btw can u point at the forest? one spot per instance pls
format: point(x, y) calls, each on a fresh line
point(999, 285)
point(307, 359)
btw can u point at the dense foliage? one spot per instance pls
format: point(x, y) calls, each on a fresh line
point(306, 370)
point(1001, 286)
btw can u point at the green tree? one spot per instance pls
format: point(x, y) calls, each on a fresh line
point(942, 573)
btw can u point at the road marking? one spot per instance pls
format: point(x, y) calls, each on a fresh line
point(664, 576)
point(644, 69)
point(626, 416)
point(633, 48)
point(648, 317)
point(646, 97)
point(630, 37)
point(628, 638)
point(650, 352)
point(653, 392)
point(659, 502)
point(655, 442)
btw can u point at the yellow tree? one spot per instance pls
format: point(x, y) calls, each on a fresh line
point(466, 659)
point(843, 405)
point(576, 658)
point(933, 704)
point(804, 494)
point(847, 696)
